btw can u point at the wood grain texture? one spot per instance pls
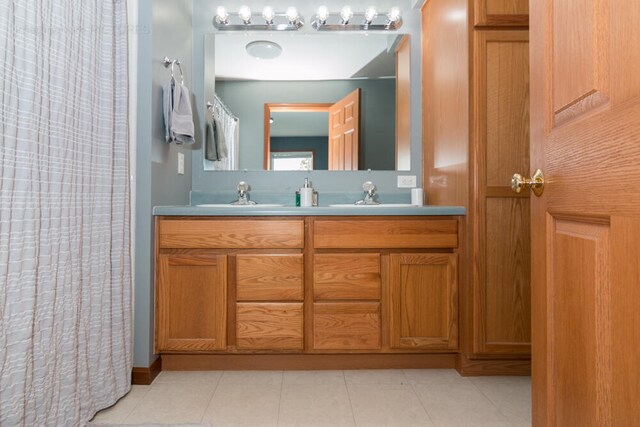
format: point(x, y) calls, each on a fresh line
point(269, 277)
point(346, 326)
point(274, 326)
point(500, 223)
point(501, 12)
point(191, 302)
point(424, 301)
point(474, 368)
point(403, 104)
point(445, 102)
point(370, 234)
point(346, 276)
point(580, 386)
point(202, 362)
point(604, 141)
point(227, 233)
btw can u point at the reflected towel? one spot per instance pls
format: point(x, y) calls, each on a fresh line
point(216, 144)
point(178, 117)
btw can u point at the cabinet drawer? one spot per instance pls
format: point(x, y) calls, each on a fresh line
point(368, 234)
point(269, 326)
point(230, 234)
point(346, 276)
point(346, 326)
point(269, 277)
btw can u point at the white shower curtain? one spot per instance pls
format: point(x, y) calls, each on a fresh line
point(231, 130)
point(65, 280)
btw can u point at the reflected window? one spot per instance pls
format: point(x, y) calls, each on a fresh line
point(291, 160)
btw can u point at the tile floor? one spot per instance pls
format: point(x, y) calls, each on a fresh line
point(421, 397)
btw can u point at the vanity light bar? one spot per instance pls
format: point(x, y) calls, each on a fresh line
point(347, 20)
point(289, 20)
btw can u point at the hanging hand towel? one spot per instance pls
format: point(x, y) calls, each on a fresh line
point(177, 113)
point(216, 146)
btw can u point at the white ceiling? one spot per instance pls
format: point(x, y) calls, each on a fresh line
point(315, 56)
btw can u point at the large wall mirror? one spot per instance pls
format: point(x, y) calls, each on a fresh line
point(309, 101)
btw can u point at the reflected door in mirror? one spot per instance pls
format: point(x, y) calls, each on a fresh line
point(344, 132)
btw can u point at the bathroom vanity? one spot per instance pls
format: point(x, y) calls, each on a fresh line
point(304, 282)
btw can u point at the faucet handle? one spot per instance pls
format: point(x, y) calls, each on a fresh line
point(243, 187)
point(369, 187)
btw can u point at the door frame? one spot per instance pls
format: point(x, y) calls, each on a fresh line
point(269, 108)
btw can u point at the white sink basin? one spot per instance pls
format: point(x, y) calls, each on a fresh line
point(381, 205)
point(228, 205)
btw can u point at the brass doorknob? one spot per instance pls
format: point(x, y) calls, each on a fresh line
point(536, 183)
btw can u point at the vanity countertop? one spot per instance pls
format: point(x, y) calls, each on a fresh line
point(186, 210)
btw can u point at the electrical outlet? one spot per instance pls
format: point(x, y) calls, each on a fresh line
point(180, 164)
point(406, 181)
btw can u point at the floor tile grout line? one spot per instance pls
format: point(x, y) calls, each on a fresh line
point(215, 389)
point(353, 412)
point(419, 399)
point(280, 400)
point(124, 417)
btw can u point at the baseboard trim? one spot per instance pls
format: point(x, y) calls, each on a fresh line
point(145, 376)
point(480, 367)
point(212, 362)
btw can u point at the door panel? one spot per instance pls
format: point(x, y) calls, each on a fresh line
point(585, 127)
point(502, 12)
point(344, 132)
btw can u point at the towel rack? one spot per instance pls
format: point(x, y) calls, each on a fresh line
point(170, 63)
point(211, 107)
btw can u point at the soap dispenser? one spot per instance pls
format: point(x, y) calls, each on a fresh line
point(306, 194)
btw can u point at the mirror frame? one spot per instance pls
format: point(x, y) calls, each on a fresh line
point(297, 108)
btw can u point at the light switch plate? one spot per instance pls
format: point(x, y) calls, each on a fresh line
point(406, 181)
point(180, 164)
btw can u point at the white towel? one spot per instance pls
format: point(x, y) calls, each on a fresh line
point(178, 117)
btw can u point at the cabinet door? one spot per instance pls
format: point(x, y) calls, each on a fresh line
point(502, 12)
point(501, 285)
point(424, 301)
point(191, 302)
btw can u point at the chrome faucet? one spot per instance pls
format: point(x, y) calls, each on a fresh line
point(243, 194)
point(369, 194)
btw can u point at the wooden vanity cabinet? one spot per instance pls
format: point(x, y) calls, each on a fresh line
point(313, 285)
point(191, 297)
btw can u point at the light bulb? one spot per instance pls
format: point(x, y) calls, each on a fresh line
point(268, 14)
point(222, 15)
point(245, 14)
point(394, 15)
point(292, 14)
point(346, 13)
point(323, 14)
point(370, 14)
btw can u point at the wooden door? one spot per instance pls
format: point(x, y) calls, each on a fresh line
point(500, 225)
point(501, 12)
point(344, 132)
point(424, 301)
point(585, 118)
point(191, 302)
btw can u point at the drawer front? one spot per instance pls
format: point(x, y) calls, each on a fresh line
point(368, 234)
point(270, 277)
point(269, 326)
point(346, 326)
point(346, 276)
point(230, 234)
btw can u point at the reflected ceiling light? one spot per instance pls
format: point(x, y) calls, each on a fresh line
point(345, 14)
point(222, 16)
point(245, 14)
point(290, 20)
point(264, 49)
point(369, 20)
point(369, 15)
point(268, 14)
point(322, 14)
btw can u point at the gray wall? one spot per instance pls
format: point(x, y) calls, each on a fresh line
point(165, 30)
point(377, 114)
point(215, 181)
